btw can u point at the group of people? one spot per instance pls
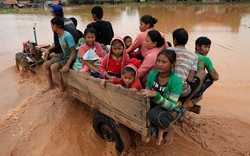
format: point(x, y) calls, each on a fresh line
point(172, 77)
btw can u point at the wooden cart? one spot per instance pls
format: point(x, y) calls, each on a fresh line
point(117, 108)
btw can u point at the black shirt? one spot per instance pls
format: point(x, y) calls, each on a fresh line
point(104, 31)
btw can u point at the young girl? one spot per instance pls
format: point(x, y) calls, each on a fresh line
point(154, 43)
point(164, 88)
point(115, 60)
point(90, 36)
point(147, 23)
point(129, 78)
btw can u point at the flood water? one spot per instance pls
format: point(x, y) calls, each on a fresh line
point(228, 27)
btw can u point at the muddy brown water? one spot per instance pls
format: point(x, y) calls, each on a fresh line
point(35, 124)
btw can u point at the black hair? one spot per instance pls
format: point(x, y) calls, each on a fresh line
point(74, 20)
point(155, 36)
point(169, 44)
point(171, 55)
point(97, 10)
point(89, 30)
point(129, 69)
point(148, 19)
point(181, 36)
point(126, 37)
point(202, 41)
point(58, 21)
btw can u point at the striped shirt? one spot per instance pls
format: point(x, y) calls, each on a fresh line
point(185, 62)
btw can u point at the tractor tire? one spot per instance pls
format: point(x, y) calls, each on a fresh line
point(22, 61)
point(106, 128)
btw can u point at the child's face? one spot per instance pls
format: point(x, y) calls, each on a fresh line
point(149, 44)
point(53, 27)
point(117, 49)
point(163, 64)
point(143, 27)
point(128, 78)
point(90, 38)
point(128, 42)
point(203, 49)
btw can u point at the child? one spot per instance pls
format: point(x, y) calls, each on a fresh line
point(67, 44)
point(202, 47)
point(115, 60)
point(103, 28)
point(74, 20)
point(185, 68)
point(164, 88)
point(128, 41)
point(93, 62)
point(154, 43)
point(129, 79)
point(90, 34)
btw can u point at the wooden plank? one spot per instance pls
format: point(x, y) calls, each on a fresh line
point(129, 110)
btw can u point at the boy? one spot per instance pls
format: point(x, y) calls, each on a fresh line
point(202, 47)
point(185, 68)
point(55, 49)
point(103, 28)
point(128, 41)
point(63, 63)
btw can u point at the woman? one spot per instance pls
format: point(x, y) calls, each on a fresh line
point(147, 23)
point(164, 88)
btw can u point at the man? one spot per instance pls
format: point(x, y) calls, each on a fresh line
point(57, 11)
point(103, 28)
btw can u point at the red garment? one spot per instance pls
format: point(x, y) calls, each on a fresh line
point(114, 66)
point(136, 84)
point(106, 60)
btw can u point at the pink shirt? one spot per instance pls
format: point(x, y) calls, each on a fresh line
point(148, 63)
point(84, 48)
point(140, 42)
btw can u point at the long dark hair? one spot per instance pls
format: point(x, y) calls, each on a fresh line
point(155, 36)
point(148, 19)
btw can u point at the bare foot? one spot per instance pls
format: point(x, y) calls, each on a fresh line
point(160, 136)
point(188, 103)
point(47, 89)
point(169, 136)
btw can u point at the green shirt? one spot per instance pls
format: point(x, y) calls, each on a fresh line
point(204, 62)
point(169, 99)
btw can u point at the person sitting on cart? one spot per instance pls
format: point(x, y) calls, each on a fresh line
point(55, 50)
point(90, 44)
point(60, 64)
point(202, 47)
point(113, 62)
point(164, 88)
point(129, 77)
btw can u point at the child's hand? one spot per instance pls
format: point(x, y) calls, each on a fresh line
point(103, 82)
point(119, 86)
point(148, 93)
point(132, 90)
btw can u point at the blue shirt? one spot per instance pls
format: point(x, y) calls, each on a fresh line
point(66, 41)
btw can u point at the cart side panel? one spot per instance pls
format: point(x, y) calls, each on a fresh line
point(117, 103)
